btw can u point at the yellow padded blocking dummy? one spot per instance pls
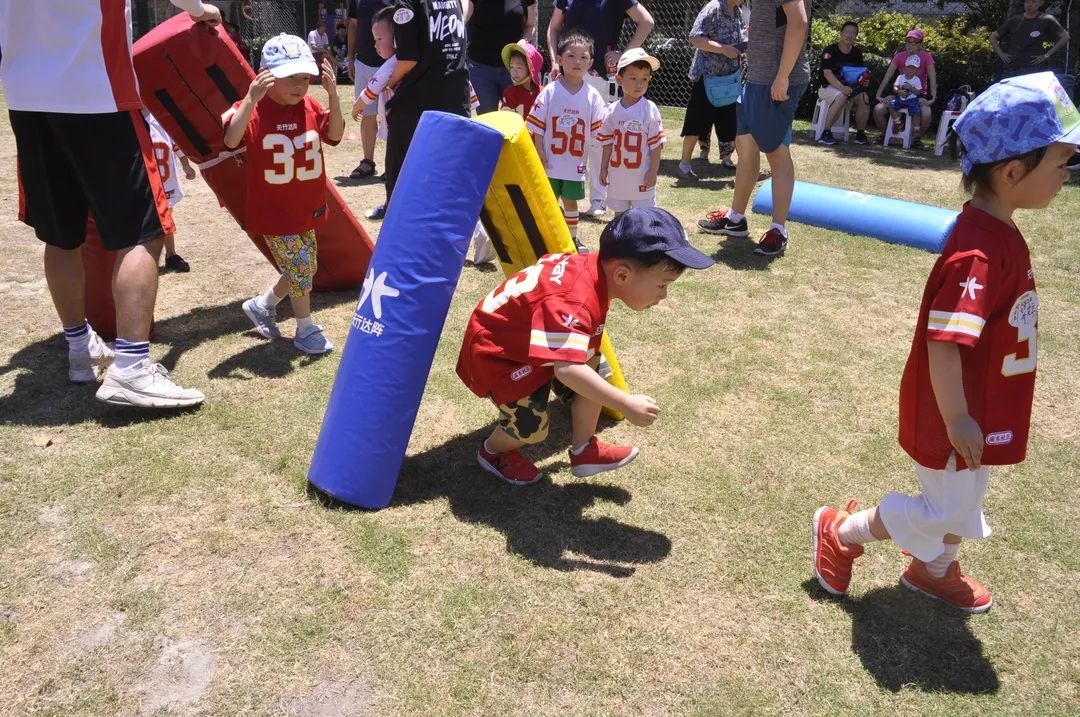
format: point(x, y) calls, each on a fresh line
point(523, 217)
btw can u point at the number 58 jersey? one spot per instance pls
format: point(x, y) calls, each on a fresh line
point(286, 181)
point(567, 122)
point(981, 297)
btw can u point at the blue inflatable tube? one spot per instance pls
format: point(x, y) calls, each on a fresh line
point(402, 309)
point(890, 220)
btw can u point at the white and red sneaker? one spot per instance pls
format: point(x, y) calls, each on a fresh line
point(511, 466)
point(598, 457)
point(833, 559)
point(956, 589)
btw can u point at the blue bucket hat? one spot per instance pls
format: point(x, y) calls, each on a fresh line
point(1016, 116)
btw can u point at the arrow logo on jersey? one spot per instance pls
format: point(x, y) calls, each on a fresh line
point(970, 287)
point(376, 288)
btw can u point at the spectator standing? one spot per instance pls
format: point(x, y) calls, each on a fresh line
point(778, 76)
point(84, 148)
point(913, 45)
point(719, 40)
point(363, 62)
point(494, 24)
point(602, 20)
point(319, 43)
point(1021, 41)
point(837, 91)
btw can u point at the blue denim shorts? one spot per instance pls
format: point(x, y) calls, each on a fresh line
point(768, 122)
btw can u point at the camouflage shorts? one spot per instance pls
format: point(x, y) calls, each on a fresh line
point(527, 419)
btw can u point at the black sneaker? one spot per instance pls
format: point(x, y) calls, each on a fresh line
point(860, 137)
point(581, 248)
point(718, 223)
point(826, 138)
point(176, 263)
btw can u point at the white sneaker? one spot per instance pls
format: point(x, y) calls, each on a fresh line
point(87, 365)
point(312, 341)
point(597, 208)
point(146, 385)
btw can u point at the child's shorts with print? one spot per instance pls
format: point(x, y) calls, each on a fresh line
point(296, 256)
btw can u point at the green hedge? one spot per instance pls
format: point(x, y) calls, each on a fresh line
point(962, 53)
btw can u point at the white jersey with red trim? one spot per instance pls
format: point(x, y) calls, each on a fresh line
point(567, 122)
point(70, 56)
point(633, 132)
point(166, 154)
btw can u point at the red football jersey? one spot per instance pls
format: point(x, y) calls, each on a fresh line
point(519, 99)
point(286, 181)
point(980, 296)
point(551, 311)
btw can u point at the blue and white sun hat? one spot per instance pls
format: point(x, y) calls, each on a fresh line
point(288, 55)
point(1014, 117)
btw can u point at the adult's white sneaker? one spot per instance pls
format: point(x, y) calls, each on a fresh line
point(87, 365)
point(146, 385)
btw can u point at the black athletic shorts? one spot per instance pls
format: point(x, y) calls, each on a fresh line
point(702, 117)
point(74, 165)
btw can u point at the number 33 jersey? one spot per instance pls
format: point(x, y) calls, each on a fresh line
point(981, 297)
point(633, 132)
point(286, 185)
point(567, 122)
point(554, 310)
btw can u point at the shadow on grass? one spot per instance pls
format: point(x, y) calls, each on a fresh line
point(43, 397)
point(908, 640)
point(895, 156)
point(738, 253)
point(544, 523)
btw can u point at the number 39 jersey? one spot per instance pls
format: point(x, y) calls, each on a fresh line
point(286, 185)
point(567, 122)
point(981, 297)
point(554, 310)
point(632, 132)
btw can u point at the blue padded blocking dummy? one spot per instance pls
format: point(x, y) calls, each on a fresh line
point(402, 309)
point(892, 220)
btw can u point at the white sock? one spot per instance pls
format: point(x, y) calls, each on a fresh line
point(576, 450)
point(856, 529)
point(735, 216)
point(269, 300)
point(940, 565)
point(684, 166)
point(780, 228)
point(303, 324)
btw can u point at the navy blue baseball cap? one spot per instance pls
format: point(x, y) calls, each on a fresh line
point(648, 230)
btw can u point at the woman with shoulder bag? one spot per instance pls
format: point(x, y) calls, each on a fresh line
point(719, 39)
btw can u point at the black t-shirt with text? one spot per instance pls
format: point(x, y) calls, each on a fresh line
point(431, 33)
point(495, 24)
point(833, 59)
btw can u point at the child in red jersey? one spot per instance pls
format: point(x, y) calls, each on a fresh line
point(283, 130)
point(541, 330)
point(967, 389)
point(524, 63)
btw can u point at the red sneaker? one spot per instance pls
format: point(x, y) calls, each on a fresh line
point(955, 588)
point(511, 466)
point(598, 457)
point(772, 243)
point(833, 559)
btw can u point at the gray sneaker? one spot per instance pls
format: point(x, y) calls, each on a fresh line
point(312, 341)
point(89, 364)
point(265, 320)
point(146, 385)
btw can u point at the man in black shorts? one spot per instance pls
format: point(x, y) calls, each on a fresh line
point(84, 150)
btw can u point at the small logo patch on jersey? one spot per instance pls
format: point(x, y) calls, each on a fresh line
point(1000, 438)
point(521, 373)
point(403, 15)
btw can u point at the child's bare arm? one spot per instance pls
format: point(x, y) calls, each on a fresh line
point(189, 171)
point(583, 380)
point(947, 379)
point(654, 167)
point(234, 135)
point(605, 162)
point(538, 142)
point(336, 130)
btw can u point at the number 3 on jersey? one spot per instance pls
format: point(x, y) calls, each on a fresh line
point(627, 150)
point(568, 134)
point(1023, 316)
point(285, 167)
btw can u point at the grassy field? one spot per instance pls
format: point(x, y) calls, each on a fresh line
point(173, 563)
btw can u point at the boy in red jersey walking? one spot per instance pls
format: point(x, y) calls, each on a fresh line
point(967, 389)
point(541, 330)
point(283, 130)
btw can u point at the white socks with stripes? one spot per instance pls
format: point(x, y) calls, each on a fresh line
point(940, 565)
point(856, 529)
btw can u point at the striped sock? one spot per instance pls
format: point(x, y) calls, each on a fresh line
point(129, 353)
point(571, 222)
point(940, 565)
point(78, 336)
